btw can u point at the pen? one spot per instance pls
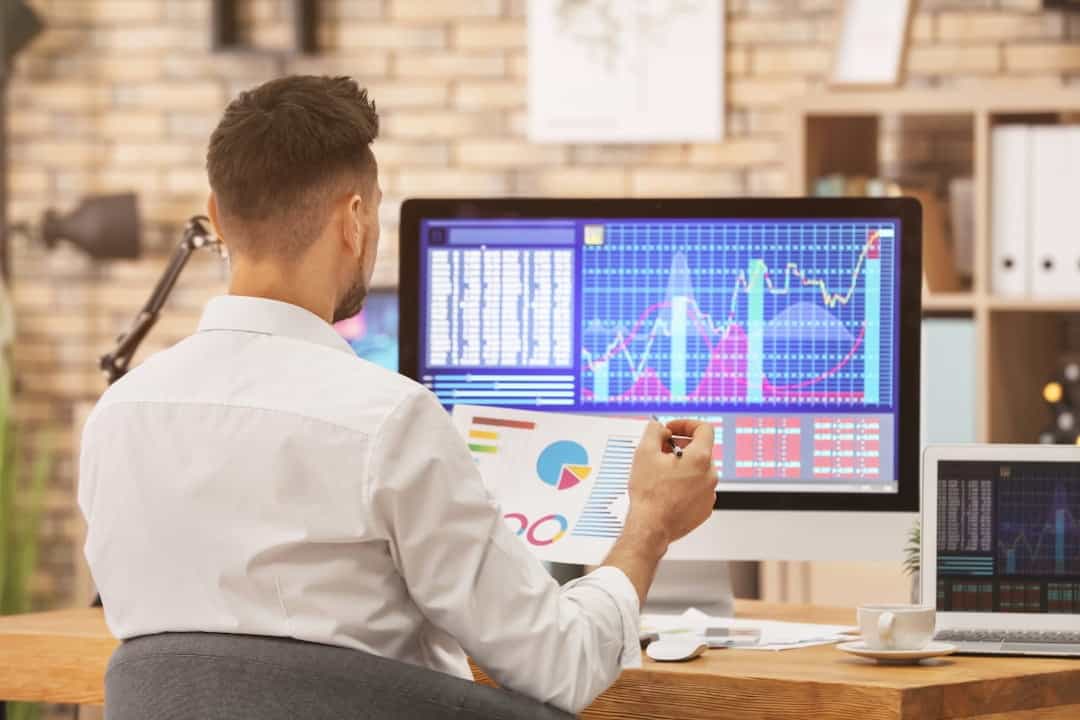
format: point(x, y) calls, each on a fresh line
point(671, 441)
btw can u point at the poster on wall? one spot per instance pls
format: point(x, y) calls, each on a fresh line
point(617, 71)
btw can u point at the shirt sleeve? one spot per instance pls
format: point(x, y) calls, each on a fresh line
point(472, 577)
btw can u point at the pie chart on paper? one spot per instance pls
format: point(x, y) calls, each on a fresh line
point(563, 464)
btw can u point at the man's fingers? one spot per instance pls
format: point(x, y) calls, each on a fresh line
point(654, 437)
point(701, 434)
point(694, 429)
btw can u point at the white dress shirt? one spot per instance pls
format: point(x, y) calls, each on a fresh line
point(260, 478)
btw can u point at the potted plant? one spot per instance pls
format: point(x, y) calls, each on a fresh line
point(21, 499)
point(913, 561)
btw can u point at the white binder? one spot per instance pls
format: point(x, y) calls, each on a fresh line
point(1009, 194)
point(1055, 210)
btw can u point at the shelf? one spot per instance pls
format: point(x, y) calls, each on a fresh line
point(967, 302)
point(1019, 341)
point(1035, 305)
point(936, 102)
point(948, 302)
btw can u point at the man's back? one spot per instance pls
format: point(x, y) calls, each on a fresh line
point(226, 483)
point(258, 478)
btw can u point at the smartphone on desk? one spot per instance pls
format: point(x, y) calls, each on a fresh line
point(724, 637)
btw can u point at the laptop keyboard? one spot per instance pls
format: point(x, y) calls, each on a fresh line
point(1041, 637)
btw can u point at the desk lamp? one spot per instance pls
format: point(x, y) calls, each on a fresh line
point(197, 234)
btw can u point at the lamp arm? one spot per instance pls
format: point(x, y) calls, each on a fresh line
point(196, 235)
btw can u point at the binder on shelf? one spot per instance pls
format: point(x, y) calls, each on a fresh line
point(939, 267)
point(1055, 184)
point(962, 222)
point(1010, 184)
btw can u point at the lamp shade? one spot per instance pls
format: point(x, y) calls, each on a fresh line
point(105, 226)
point(19, 24)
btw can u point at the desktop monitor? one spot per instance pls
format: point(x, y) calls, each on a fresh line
point(373, 332)
point(792, 325)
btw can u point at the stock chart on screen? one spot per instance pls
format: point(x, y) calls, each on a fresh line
point(767, 315)
point(1007, 537)
point(780, 332)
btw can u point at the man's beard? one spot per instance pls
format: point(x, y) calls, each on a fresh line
point(353, 302)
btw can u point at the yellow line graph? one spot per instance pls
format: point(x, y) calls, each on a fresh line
point(829, 299)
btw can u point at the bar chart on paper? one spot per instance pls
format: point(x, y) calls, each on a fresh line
point(783, 315)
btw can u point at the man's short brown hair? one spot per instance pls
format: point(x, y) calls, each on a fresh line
point(283, 153)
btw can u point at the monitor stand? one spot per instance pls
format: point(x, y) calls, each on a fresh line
point(701, 584)
point(679, 584)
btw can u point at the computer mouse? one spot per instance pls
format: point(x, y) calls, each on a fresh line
point(675, 650)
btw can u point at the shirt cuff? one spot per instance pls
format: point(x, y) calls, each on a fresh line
point(618, 587)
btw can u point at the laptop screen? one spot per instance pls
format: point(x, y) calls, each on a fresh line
point(1007, 537)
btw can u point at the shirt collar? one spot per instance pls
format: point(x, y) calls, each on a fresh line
point(269, 317)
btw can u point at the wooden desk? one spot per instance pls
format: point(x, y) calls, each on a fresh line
point(61, 657)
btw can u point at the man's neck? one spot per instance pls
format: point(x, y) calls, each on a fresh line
point(264, 283)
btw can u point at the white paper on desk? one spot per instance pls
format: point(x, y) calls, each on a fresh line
point(775, 635)
point(560, 479)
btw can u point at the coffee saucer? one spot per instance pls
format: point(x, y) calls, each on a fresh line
point(898, 657)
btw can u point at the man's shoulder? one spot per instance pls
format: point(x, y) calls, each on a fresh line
point(322, 383)
point(356, 377)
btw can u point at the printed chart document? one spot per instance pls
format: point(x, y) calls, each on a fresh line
point(775, 634)
point(560, 479)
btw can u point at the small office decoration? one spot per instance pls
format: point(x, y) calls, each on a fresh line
point(226, 34)
point(871, 42)
point(1062, 395)
point(913, 560)
point(609, 71)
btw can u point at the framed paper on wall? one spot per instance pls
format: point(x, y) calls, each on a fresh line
point(871, 43)
point(626, 70)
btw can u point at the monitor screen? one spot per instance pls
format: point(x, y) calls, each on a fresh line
point(373, 332)
point(783, 330)
point(1007, 537)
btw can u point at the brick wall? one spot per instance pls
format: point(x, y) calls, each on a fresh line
point(122, 94)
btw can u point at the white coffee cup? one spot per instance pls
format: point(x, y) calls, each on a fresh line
point(897, 627)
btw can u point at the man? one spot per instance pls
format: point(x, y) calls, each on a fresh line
point(258, 478)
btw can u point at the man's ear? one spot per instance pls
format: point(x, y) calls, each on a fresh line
point(212, 211)
point(353, 227)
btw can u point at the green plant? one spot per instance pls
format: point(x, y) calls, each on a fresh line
point(913, 550)
point(20, 519)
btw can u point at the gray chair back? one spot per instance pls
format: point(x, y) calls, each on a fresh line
point(210, 676)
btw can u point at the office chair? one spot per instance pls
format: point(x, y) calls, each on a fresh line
point(210, 676)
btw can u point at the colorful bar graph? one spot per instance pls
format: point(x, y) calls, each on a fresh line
point(679, 306)
point(872, 323)
point(755, 331)
point(498, 422)
point(484, 437)
point(602, 381)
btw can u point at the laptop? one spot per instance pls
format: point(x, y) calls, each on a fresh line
point(1001, 547)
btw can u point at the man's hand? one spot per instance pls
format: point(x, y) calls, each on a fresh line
point(669, 497)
